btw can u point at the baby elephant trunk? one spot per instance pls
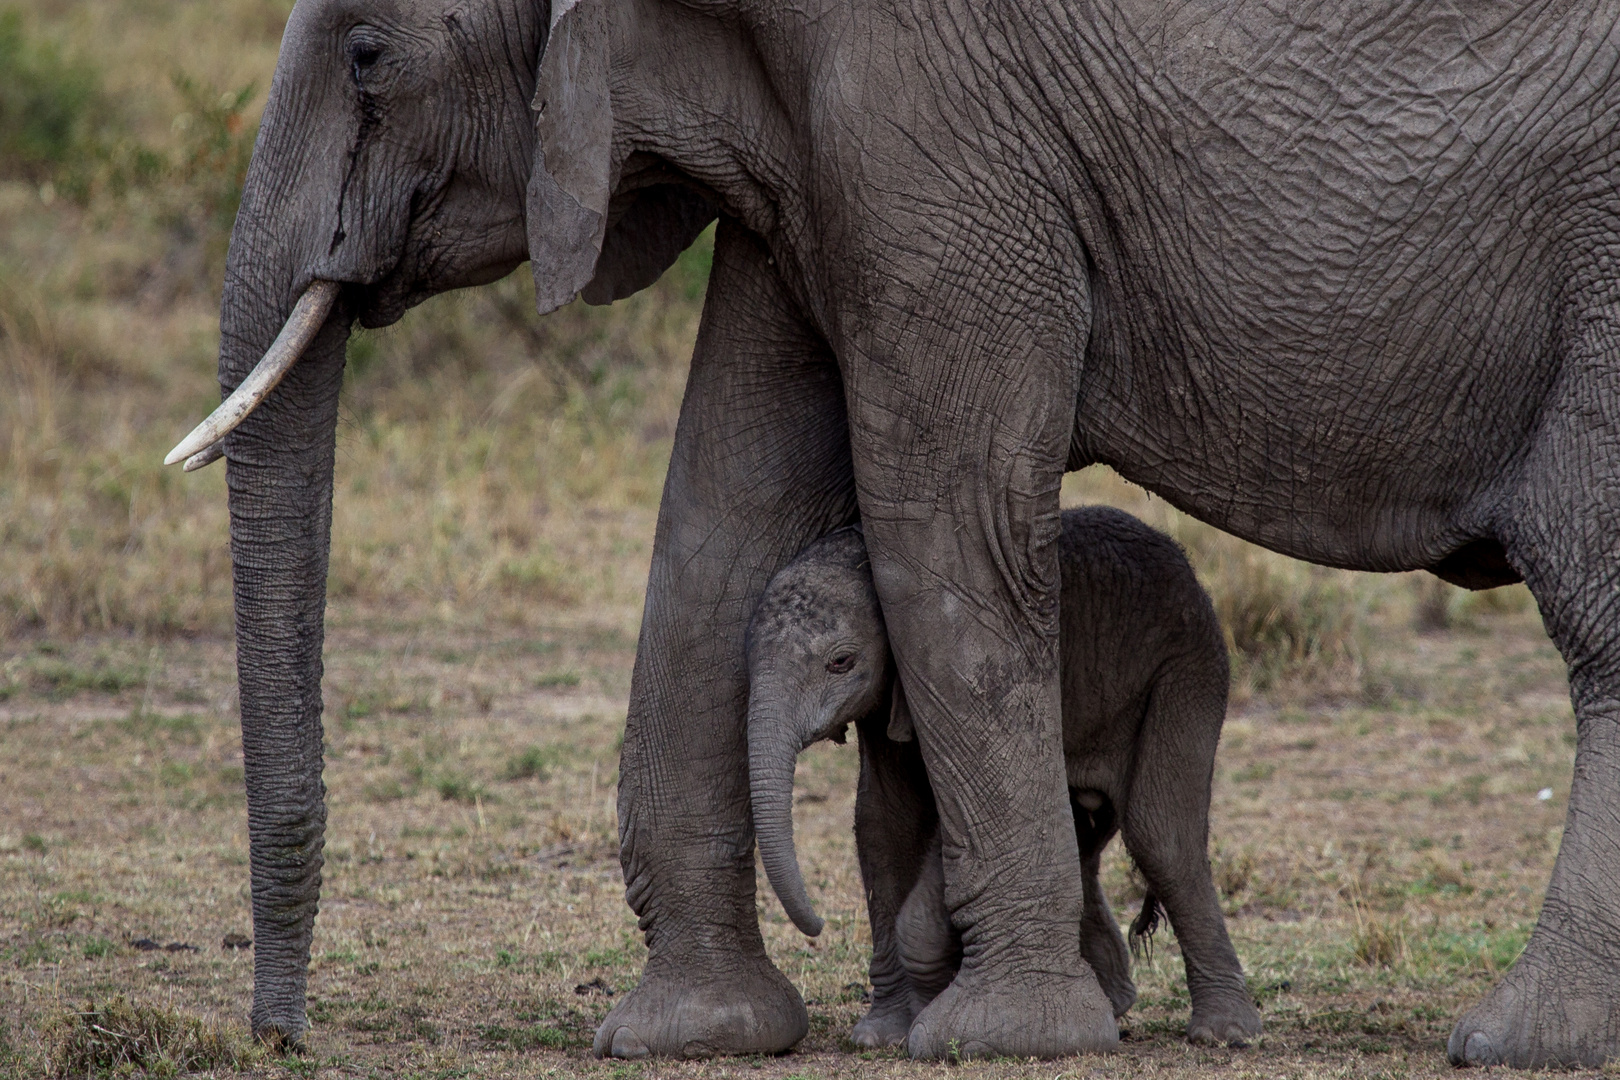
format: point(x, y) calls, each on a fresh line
point(773, 749)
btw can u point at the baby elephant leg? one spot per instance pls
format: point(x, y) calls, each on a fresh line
point(930, 947)
point(1100, 940)
point(894, 819)
point(1166, 830)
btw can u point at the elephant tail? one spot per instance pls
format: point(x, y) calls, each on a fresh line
point(1144, 926)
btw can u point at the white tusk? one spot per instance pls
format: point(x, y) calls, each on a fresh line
point(205, 457)
point(308, 316)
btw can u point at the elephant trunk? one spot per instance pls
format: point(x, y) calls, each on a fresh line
point(773, 749)
point(279, 476)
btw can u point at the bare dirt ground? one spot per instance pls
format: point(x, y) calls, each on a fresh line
point(1381, 851)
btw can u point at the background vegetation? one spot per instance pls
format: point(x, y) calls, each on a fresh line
point(1381, 835)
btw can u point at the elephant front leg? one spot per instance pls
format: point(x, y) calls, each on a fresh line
point(1560, 1003)
point(958, 463)
point(760, 468)
point(894, 819)
point(930, 948)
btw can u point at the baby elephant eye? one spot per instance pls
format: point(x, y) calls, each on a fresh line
point(840, 664)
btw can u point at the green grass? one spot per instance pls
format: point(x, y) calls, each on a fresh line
point(534, 763)
point(453, 940)
point(48, 103)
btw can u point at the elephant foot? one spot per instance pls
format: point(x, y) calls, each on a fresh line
point(885, 1024)
point(280, 1037)
point(1558, 1006)
point(1230, 1021)
point(744, 1007)
point(1032, 1014)
point(1105, 951)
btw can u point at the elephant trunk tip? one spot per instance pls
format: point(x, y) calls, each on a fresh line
point(809, 922)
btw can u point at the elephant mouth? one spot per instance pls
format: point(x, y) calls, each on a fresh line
point(385, 302)
point(420, 272)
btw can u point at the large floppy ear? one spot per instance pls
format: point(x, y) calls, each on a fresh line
point(648, 229)
point(900, 728)
point(567, 204)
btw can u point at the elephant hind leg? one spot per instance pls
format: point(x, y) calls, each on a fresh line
point(1166, 829)
point(1560, 1003)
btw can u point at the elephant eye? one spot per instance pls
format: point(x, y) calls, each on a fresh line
point(363, 54)
point(840, 664)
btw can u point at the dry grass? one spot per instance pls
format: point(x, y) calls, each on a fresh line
point(1378, 840)
point(121, 1038)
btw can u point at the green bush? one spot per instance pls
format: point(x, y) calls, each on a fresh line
point(48, 105)
point(57, 125)
point(1283, 619)
point(216, 143)
point(535, 763)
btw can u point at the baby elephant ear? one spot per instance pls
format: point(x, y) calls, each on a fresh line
point(900, 729)
point(567, 202)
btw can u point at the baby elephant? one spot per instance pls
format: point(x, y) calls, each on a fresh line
point(1144, 680)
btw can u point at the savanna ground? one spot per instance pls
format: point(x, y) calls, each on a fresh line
point(1388, 799)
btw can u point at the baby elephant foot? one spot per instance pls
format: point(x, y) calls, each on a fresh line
point(678, 1012)
point(1232, 1021)
point(1041, 1015)
point(883, 1025)
point(1105, 951)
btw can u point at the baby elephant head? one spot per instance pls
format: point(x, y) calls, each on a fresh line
point(818, 660)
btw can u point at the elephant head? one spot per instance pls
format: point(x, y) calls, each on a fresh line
point(818, 660)
point(407, 147)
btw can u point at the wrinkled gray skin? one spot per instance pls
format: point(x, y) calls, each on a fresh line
point(1340, 279)
point(1143, 670)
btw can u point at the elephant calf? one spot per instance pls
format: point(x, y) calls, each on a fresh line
point(1144, 681)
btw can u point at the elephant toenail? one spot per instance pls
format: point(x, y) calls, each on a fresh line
point(1478, 1050)
point(627, 1044)
point(977, 1049)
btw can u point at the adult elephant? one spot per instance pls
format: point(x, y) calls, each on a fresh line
point(1340, 279)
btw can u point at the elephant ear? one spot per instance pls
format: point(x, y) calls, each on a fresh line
point(566, 209)
point(900, 728)
point(649, 229)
